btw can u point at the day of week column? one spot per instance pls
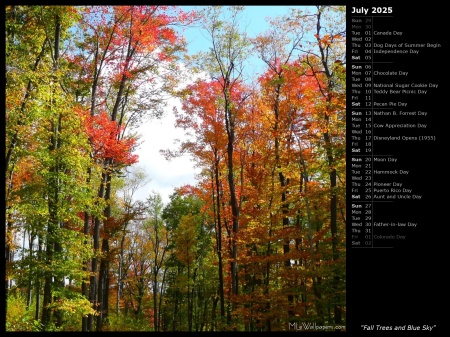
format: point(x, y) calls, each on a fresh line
point(360, 129)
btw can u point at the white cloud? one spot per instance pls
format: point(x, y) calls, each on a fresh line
point(160, 134)
point(157, 134)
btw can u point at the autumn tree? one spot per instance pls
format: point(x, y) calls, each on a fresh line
point(159, 240)
point(276, 157)
point(56, 148)
point(137, 271)
point(25, 52)
point(203, 117)
point(191, 274)
point(326, 62)
point(277, 48)
point(125, 56)
point(225, 63)
point(126, 210)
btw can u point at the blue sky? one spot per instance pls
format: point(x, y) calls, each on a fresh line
point(254, 21)
point(160, 134)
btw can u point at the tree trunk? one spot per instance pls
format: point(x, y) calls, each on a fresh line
point(331, 165)
point(103, 281)
point(219, 234)
point(94, 262)
point(155, 301)
point(103, 286)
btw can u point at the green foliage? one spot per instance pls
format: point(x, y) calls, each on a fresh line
point(69, 262)
point(178, 206)
point(72, 303)
point(123, 322)
point(18, 317)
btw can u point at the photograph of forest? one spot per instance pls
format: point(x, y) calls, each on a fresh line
point(253, 238)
